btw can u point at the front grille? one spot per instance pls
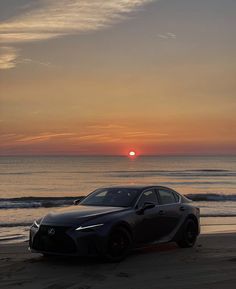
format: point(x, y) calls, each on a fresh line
point(57, 242)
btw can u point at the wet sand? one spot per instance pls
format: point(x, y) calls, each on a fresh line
point(210, 264)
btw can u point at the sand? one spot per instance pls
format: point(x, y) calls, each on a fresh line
point(210, 264)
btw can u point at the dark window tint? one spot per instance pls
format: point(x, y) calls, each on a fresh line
point(148, 196)
point(166, 197)
point(115, 197)
point(176, 197)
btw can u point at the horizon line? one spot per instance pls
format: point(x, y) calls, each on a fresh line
point(118, 155)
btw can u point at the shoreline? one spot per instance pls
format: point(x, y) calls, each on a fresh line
point(210, 264)
point(209, 225)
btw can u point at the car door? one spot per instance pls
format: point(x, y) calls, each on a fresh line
point(147, 221)
point(169, 211)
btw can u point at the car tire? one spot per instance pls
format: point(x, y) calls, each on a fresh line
point(119, 245)
point(189, 234)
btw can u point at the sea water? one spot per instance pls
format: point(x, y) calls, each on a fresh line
point(31, 187)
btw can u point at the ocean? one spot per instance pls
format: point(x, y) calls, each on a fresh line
point(32, 186)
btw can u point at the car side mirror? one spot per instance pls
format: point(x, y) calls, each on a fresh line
point(146, 206)
point(76, 202)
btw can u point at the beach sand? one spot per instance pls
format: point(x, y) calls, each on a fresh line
point(210, 264)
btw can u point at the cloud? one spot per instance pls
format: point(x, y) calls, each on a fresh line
point(168, 35)
point(8, 57)
point(145, 134)
point(43, 137)
point(99, 138)
point(106, 126)
point(88, 136)
point(114, 136)
point(29, 60)
point(53, 18)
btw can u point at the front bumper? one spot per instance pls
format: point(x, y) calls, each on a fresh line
point(67, 241)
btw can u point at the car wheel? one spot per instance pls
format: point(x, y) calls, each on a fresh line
point(119, 245)
point(189, 234)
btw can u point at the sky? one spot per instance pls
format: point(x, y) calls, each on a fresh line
point(96, 77)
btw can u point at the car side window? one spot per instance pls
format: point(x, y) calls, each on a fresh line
point(166, 197)
point(99, 198)
point(177, 197)
point(148, 196)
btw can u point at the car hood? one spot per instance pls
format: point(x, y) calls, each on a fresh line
point(76, 215)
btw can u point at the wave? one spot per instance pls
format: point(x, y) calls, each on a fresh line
point(17, 224)
point(215, 215)
point(13, 238)
point(134, 173)
point(178, 174)
point(36, 202)
point(211, 197)
point(28, 224)
point(48, 202)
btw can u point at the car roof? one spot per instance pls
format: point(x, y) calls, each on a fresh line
point(137, 187)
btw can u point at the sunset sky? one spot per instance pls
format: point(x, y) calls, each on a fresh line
point(103, 77)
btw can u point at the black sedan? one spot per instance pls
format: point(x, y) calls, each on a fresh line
point(111, 221)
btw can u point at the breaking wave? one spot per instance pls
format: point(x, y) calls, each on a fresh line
point(211, 197)
point(48, 202)
point(36, 202)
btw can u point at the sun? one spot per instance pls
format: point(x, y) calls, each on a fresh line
point(132, 154)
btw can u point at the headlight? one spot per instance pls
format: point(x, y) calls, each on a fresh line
point(88, 227)
point(36, 224)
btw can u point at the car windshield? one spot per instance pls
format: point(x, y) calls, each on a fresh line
point(114, 197)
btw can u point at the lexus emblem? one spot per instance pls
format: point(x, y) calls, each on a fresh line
point(51, 232)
